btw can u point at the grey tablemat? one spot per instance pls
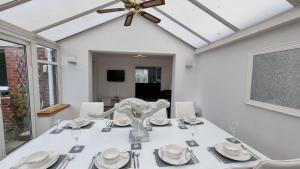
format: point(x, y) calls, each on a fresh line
point(167, 125)
point(182, 127)
point(127, 166)
point(136, 146)
point(233, 140)
point(106, 130)
point(192, 143)
point(60, 159)
point(73, 150)
point(84, 127)
point(227, 160)
point(161, 163)
point(56, 131)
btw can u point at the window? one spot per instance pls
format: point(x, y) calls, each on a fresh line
point(48, 76)
point(147, 74)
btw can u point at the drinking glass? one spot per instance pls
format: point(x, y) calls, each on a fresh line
point(76, 132)
point(56, 122)
point(233, 126)
point(193, 128)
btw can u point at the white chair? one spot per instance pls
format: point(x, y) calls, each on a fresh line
point(274, 164)
point(90, 110)
point(162, 113)
point(185, 109)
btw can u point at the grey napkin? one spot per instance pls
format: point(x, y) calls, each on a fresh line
point(127, 166)
point(227, 160)
point(60, 159)
point(136, 146)
point(195, 124)
point(106, 130)
point(84, 127)
point(161, 163)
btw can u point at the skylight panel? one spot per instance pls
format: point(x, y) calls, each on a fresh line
point(36, 14)
point(196, 19)
point(177, 30)
point(80, 24)
point(245, 13)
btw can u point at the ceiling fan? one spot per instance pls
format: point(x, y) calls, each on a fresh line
point(136, 7)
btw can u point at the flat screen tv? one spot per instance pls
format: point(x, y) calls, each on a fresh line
point(116, 75)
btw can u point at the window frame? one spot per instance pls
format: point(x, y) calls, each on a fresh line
point(36, 73)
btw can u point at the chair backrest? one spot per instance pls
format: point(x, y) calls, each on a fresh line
point(273, 164)
point(91, 107)
point(185, 109)
point(162, 113)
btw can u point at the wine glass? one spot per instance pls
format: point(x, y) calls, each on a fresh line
point(233, 126)
point(76, 132)
point(56, 122)
point(193, 128)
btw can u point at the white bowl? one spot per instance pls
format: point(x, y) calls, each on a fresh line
point(111, 155)
point(232, 149)
point(173, 151)
point(37, 158)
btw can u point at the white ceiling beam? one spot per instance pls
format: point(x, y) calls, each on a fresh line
point(288, 17)
point(214, 15)
point(76, 16)
point(12, 4)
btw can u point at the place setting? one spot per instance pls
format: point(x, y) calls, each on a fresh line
point(44, 159)
point(121, 122)
point(174, 155)
point(79, 123)
point(227, 152)
point(159, 122)
point(112, 158)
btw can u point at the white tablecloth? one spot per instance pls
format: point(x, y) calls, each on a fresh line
point(95, 141)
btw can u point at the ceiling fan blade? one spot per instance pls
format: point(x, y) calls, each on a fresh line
point(128, 19)
point(152, 3)
point(150, 17)
point(110, 10)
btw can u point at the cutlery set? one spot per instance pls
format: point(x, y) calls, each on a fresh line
point(135, 159)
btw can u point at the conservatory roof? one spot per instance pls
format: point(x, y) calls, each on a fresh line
point(197, 22)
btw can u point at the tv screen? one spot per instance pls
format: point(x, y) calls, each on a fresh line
point(115, 75)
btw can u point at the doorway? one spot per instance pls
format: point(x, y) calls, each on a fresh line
point(15, 98)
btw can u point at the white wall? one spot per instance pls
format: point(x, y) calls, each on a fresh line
point(221, 94)
point(102, 63)
point(142, 36)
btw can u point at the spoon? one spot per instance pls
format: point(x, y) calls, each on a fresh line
point(70, 157)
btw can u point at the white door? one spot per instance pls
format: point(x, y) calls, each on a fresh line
point(2, 141)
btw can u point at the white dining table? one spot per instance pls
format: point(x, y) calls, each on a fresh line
point(95, 141)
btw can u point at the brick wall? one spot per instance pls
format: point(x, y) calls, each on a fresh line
point(15, 78)
point(43, 78)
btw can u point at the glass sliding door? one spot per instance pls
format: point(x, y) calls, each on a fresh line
point(15, 98)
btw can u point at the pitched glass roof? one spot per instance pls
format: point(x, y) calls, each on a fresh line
point(197, 22)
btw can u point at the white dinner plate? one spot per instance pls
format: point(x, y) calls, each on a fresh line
point(158, 123)
point(49, 161)
point(118, 123)
point(183, 159)
point(195, 121)
point(243, 156)
point(124, 159)
point(83, 123)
